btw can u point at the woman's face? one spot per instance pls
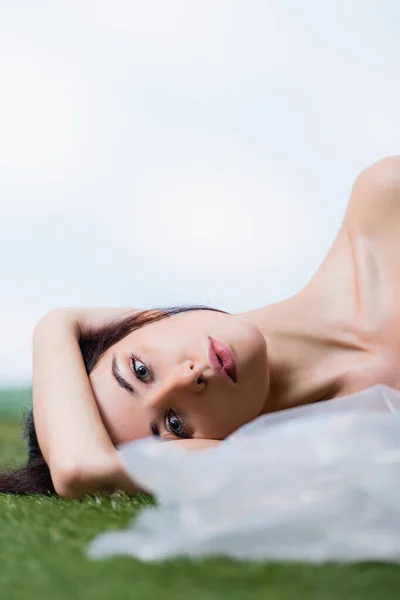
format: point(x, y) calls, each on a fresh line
point(160, 380)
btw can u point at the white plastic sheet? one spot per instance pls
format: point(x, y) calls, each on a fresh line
point(316, 483)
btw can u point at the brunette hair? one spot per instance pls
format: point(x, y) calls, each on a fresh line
point(34, 477)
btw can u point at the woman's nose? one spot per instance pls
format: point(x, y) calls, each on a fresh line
point(184, 378)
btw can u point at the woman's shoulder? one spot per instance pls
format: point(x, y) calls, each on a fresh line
point(361, 271)
point(372, 222)
point(373, 210)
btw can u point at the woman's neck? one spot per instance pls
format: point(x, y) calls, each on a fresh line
point(309, 349)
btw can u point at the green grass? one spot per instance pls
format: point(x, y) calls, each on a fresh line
point(42, 542)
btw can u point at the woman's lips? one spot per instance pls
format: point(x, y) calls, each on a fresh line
point(219, 353)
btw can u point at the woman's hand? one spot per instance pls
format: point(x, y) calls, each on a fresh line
point(194, 444)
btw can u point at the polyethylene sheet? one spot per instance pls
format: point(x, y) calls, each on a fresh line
point(315, 483)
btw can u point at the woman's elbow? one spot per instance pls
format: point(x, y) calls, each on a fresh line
point(77, 478)
point(67, 479)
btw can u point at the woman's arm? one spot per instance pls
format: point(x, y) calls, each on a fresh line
point(70, 431)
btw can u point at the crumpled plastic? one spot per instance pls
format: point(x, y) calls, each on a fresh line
point(315, 483)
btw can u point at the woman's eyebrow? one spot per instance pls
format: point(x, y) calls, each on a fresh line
point(118, 377)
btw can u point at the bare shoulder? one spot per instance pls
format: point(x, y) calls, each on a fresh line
point(374, 206)
point(361, 271)
point(372, 221)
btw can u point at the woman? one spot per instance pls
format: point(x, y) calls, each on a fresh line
point(199, 374)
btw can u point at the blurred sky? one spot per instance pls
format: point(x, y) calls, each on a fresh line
point(166, 152)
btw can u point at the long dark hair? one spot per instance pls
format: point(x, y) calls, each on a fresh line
point(34, 477)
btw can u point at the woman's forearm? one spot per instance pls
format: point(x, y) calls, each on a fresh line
point(71, 434)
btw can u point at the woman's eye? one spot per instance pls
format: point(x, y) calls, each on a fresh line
point(139, 368)
point(174, 425)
